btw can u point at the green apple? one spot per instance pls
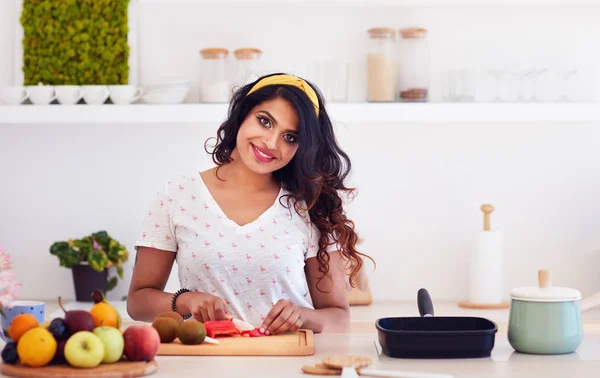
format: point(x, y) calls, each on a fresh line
point(113, 343)
point(84, 350)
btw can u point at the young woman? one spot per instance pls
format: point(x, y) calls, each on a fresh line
point(262, 236)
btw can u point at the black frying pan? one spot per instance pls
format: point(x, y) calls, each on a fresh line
point(435, 337)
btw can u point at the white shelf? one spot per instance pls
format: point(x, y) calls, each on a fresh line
point(340, 113)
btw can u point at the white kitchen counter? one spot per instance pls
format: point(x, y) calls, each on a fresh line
point(504, 362)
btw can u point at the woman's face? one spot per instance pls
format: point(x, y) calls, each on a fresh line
point(268, 138)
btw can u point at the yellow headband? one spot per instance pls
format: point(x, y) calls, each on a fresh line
point(289, 80)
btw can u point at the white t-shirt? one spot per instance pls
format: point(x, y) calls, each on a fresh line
point(251, 266)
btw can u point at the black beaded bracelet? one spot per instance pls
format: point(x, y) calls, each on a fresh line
point(174, 307)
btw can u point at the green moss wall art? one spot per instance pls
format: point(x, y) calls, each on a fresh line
point(75, 42)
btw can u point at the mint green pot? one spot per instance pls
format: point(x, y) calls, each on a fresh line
point(538, 327)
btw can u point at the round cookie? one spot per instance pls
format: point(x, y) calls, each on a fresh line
point(320, 369)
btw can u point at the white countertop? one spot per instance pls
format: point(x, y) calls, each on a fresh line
point(504, 362)
point(362, 340)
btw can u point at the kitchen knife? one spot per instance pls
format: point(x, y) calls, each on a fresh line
point(210, 340)
point(240, 324)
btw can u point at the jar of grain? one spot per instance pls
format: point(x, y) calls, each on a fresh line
point(413, 65)
point(247, 67)
point(381, 65)
point(214, 75)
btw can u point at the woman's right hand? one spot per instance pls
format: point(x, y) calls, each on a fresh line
point(204, 307)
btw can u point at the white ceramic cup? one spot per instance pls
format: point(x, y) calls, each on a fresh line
point(69, 94)
point(41, 94)
point(124, 94)
point(95, 94)
point(13, 95)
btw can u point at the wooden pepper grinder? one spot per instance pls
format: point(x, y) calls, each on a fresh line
point(486, 268)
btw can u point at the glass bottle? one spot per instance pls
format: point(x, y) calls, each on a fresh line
point(413, 65)
point(247, 66)
point(214, 75)
point(381, 65)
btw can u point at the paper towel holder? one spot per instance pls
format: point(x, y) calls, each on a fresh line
point(487, 209)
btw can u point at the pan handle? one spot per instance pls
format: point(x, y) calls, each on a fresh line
point(424, 303)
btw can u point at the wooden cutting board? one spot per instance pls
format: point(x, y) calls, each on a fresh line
point(117, 370)
point(300, 343)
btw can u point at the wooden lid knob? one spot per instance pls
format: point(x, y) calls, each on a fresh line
point(487, 210)
point(544, 278)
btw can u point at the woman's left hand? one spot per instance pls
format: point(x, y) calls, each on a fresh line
point(285, 316)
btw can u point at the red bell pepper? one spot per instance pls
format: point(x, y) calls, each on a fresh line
point(253, 333)
point(216, 328)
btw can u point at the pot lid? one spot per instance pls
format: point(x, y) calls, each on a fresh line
point(544, 292)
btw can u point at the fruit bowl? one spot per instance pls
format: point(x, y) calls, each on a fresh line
point(80, 343)
point(119, 369)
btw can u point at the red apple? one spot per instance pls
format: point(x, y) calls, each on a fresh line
point(141, 342)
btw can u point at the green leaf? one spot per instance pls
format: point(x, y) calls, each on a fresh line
point(114, 253)
point(111, 284)
point(97, 260)
point(84, 251)
point(59, 248)
point(67, 256)
point(84, 243)
point(103, 239)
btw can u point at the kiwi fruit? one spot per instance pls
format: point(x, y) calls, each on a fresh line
point(174, 315)
point(167, 329)
point(191, 332)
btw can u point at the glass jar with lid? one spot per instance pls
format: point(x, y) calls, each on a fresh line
point(381, 65)
point(413, 65)
point(247, 66)
point(214, 75)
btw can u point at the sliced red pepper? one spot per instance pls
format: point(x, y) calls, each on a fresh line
point(253, 333)
point(216, 328)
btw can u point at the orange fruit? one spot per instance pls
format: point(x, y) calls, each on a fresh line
point(21, 324)
point(36, 347)
point(104, 314)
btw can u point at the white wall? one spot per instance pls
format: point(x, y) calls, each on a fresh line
point(477, 38)
point(420, 185)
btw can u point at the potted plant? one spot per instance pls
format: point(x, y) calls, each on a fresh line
point(90, 258)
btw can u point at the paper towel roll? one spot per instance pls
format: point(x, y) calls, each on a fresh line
point(487, 269)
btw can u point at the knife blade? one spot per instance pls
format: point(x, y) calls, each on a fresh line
point(210, 340)
point(240, 324)
point(370, 372)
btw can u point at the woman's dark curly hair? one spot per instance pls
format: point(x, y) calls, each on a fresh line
point(316, 173)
